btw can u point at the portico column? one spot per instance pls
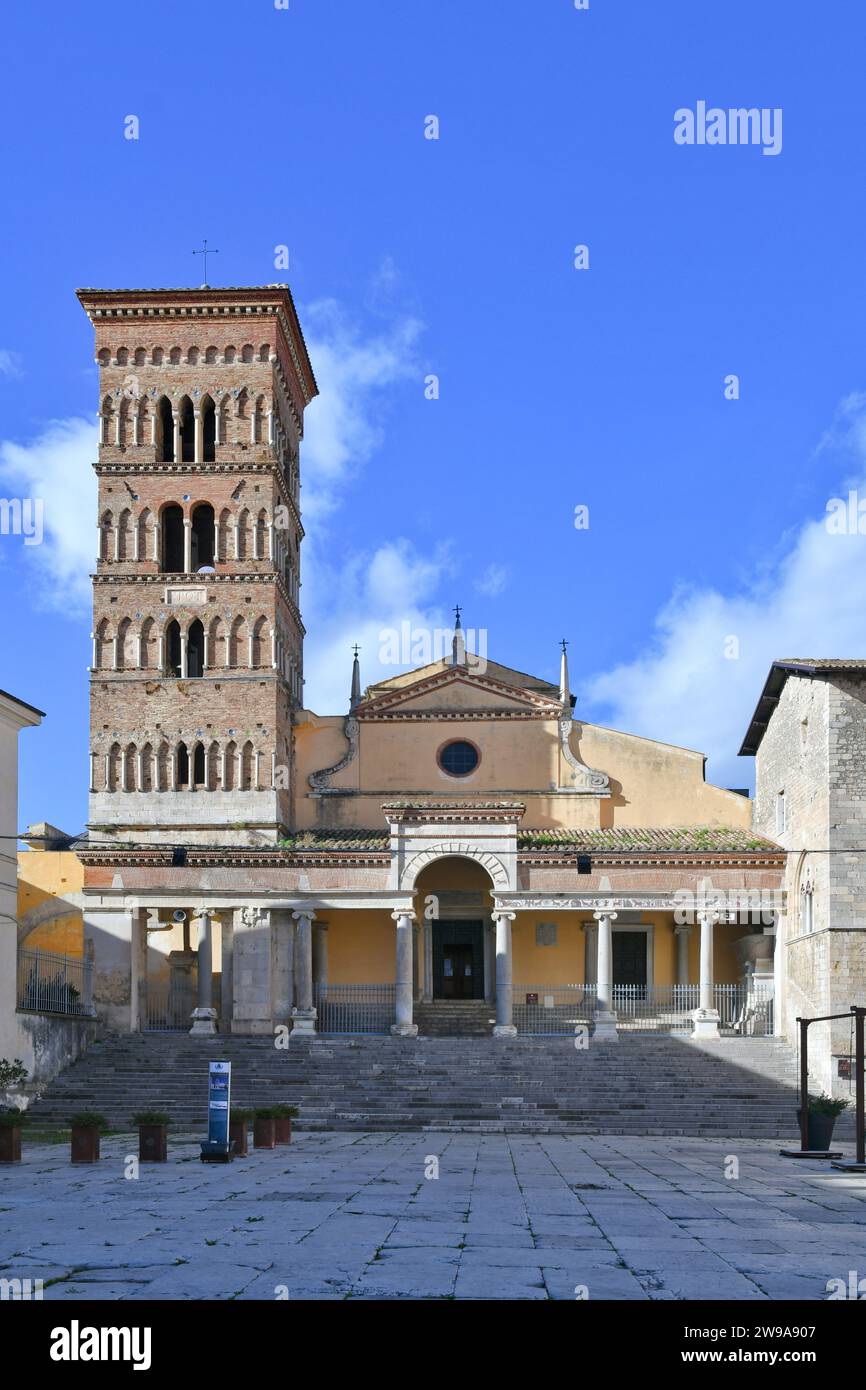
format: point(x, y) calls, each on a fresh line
point(682, 935)
point(503, 1027)
point(605, 1016)
point(320, 954)
point(304, 1015)
point(403, 1026)
point(204, 1016)
point(706, 1018)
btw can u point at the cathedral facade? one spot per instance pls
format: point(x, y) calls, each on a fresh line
point(456, 848)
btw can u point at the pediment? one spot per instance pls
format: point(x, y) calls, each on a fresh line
point(459, 690)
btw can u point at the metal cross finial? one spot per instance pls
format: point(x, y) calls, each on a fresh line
point(355, 649)
point(457, 615)
point(564, 644)
point(206, 251)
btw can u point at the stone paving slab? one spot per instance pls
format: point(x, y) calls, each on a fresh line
point(523, 1217)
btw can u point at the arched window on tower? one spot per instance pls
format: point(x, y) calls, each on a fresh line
point(164, 431)
point(195, 649)
point(202, 536)
point(199, 769)
point(182, 766)
point(172, 539)
point(187, 431)
point(172, 647)
point(208, 430)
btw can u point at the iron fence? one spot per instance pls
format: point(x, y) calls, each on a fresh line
point(663, 1009)
point(168, 1006)
point(745, 1010)
point(54, 984)
point(552, 1009)
point(354, 1008)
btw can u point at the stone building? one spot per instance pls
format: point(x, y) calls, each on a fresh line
point(808, 737)
point(456, 849)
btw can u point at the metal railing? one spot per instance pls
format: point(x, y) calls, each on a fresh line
point(744, 1010)
point(354, 1008)
point(664, 1009)
point(54, 984)
point(552, 1009)
point(168, 1006)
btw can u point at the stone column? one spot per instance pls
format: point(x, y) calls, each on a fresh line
point(403, 1026)
point(682, 934)
point(175, 433)
point(605, 1016)
point(489, 962)
point(187, 545)
point(198, 450)
point(304, 1014)
point(504, 1026)
point(204, 1017)
point(705, 1017)
point(320, 954)
point(427, 937)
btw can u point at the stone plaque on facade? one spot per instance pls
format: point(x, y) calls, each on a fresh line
point(181, 594)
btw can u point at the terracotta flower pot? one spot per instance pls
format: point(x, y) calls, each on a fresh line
point(239, 1136)
point(85, 1144)
point(283, 1127)
point(10, 1144)
point(152, 1143)
point(264, 1136)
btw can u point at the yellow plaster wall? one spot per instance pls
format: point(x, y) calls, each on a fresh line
point(47, 874)
point(362, 947)
point(562, 964)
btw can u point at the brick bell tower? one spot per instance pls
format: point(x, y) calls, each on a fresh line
point(197, 660)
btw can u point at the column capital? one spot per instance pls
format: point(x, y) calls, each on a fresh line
point(682, 929)
point(304, 912)
point(404, 912)
point(502, 912)
point(708, 914)
point(605, 912)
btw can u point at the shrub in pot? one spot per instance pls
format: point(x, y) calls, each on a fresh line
point(283, 1116)
point(822, 1112)
point(239, 1124)
point(10, 1135)
point(264, 1128)
point(152, 1135)
point(12, 1075)
point(86, 1127)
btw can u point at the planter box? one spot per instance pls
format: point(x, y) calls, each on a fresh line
point(283, 1127)
point(239, 1137)
point(820, 1131)
point(153, 1143)
point(10, 1144)
point(264, 1134)
point(85, 1144)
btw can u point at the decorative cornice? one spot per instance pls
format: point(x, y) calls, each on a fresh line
point(439, 812)
point(381, 705)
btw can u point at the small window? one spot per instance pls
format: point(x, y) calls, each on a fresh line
point(458, 759)
point(780, 813)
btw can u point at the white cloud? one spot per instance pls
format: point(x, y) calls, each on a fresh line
point(344, 425)
point(809, 601)
point(57, 467)
point(492, 581)
point(10, 363)
point(357, 601)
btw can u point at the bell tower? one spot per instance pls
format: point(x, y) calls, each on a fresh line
point(197, 663)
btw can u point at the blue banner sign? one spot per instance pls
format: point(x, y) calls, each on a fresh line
point(217, 1144)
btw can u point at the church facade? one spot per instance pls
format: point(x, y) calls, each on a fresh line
point(457, 848)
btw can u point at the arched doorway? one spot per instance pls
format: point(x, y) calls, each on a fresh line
point(455, 960)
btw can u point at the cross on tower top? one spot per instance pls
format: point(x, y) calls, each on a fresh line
point(206, 251)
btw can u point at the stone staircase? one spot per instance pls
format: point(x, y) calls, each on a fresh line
point(642, 1084)
point(455, 1018)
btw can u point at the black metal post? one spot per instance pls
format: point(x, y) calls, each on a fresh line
point(804, 1083)
point(859, 1120)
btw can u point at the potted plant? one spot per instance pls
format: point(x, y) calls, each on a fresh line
point(264, 1128)
point(821, 1117)
point(86, 1127)
point(283, 1116)
point(152, 1135)
point(10, 1135)
point(12, 1075)
point(239, 1124)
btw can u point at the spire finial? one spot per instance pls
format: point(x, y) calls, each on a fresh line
point(456, 616)
point(458, 646)
point(564, 691)
point(355, 697)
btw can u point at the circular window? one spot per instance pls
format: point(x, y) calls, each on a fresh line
point(458, 759)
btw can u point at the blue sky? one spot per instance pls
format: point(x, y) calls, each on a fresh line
point(261, 127)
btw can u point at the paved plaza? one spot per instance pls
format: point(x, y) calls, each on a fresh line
point(509, 1217)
